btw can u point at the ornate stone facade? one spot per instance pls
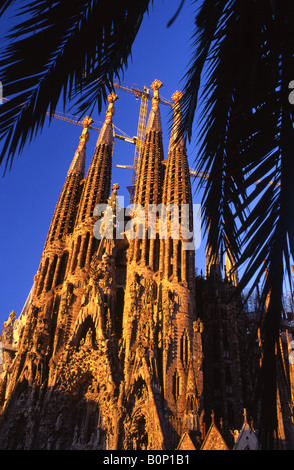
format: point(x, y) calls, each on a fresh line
point(120, 345)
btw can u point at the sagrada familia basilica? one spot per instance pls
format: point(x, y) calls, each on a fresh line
point(120, 345)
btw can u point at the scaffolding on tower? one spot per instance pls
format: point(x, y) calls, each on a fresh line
point(140, 139)
point(141, 130)
point(145, 95)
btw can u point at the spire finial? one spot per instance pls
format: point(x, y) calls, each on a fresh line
point(78, 163)
point(245, 415)
point(110, 110)
point(115, 187)
point(155, 87)
point(177, 96)
point(107, 132)
point(112, 199)
point(212, 417)
point(154, 121)
point(86, 124)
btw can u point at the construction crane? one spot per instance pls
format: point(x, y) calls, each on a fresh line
point(138, 141)
point(199, 174)
point(64, 118)
point(193, 172)
point(138, 93)
point(145, 97)
point(79, 123)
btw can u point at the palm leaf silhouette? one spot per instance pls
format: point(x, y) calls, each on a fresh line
point(58, 50)
point(245, 52)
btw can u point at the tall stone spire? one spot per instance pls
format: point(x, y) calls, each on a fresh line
point(97, 184)
point(66, 208)
point(177, 195)
point(141, 342)
point(50, 286)
point(95, 189)
point(154, 120)
point(176, 139)
point(180, 333)
point(79, 160)
point(150, 170)
point(148, 188)
point(106, 134)
point(54, 258)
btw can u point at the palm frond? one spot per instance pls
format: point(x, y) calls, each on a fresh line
point(245, 56)
point(4, 5)
point(81, 42)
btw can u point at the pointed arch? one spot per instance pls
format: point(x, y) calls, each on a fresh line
point(62, 268)
point(176, 385)
point(51, 273)
point(43, 276)
point(86, 332)
point(184, 348)
point(76, 254)
point(84, 250)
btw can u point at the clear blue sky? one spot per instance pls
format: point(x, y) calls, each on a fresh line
point(30, 191)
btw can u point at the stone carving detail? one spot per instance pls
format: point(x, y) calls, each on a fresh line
point(117, 333)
